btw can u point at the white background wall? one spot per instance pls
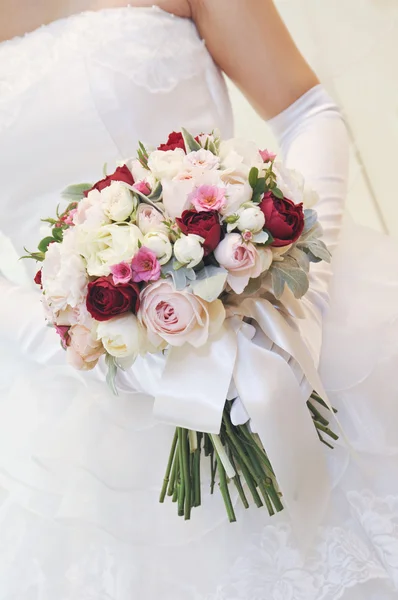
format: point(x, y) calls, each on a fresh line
point(353, 47)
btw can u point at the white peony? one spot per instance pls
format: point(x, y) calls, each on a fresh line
point(202, 159)
point(251, 218)
point(160, 244)
point(90, 211)
point(188, 250)
point(64, 277)
point(150, 219)
point(140, 173)
point(107, 246)
point(235, 153)
point(118, 201)
point(166, 164)
point(122, 336)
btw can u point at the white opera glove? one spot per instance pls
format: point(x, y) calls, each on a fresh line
point(314, 142)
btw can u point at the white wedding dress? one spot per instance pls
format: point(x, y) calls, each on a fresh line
point(80, 469)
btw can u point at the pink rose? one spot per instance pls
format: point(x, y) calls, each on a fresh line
point(178, 317)
point(242, 260)
point(208, 197)
point(143, 187)
point(121, 273)
point(150, 219)
point(145, 266)
point(83, 351)
point(267, 156)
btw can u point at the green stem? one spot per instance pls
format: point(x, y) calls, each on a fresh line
point(224, 489)
point(181, 483)
point(213, 465)
point(328, 432)
point(175, 476)
point(183, 439)
point(250, 481)
point(238, 484)
point(324, 441)
point(320, 401)
point(168, 468)
point(196, 473)
point(317, 415)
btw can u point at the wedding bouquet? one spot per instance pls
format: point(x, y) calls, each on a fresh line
point(166, 255)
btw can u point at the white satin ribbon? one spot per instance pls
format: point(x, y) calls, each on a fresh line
point(195, 382)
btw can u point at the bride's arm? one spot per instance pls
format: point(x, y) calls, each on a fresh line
point(249, 41)
point(251, 44)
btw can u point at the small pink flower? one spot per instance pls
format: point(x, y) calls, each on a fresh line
point(63, 332)
point(208, 197)
point(143, 187)
point(267, 156)
point(68, 220)
point(247, 236)
point(145, 266)
point(121, 273)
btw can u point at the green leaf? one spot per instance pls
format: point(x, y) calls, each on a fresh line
point(58, 234)
point(156, 193)
point(75, 192)
point(278, 282)
point(301, 258)
point(209, 283)
point(310, 218)
point(180, 274)
point(253, 177)
point(319, 250)
point(104, 169)
point(254, 285)
point(51, 221)
point(38, 256)
point(296, 279)
point(44, 244)
point(277, 193)
point(110, 362)
point(191, 145)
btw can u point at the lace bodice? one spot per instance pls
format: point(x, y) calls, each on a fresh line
point(81, 91)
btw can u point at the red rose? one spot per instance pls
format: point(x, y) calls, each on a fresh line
point(106, 300)
point(206, 224)
point(121, 174)
point(283, 219)
point(175, 141)
point(37, 278)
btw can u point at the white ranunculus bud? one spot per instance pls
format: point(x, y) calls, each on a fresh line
point(166, 164)
point(160, 244)
point(188, 250)
point(122, 336)
point(150, 219)
point(118, 201)
point(250, 219)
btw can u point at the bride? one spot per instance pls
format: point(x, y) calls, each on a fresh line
point(79, 468)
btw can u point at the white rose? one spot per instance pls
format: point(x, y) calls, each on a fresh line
point(166, 165)
point(90, 211)
point(251, 218)
point(160, 244)
point(107, 246)
point(150, 219)
point(64, 276)
point(202, 159)
point(242, 260)
point(188, 250)
point(118, 201)
point(122, 336)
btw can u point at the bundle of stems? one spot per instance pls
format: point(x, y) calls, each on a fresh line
point(236, 457)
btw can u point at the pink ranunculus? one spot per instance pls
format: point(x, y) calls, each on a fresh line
point(143, 187)
point(178, 317)
point(145, 266)
point(208, 197)
point(84, 350)
point(68, 220)
point(63, 332)
point(121, 273)
point(267, 156)
point(242, 260)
